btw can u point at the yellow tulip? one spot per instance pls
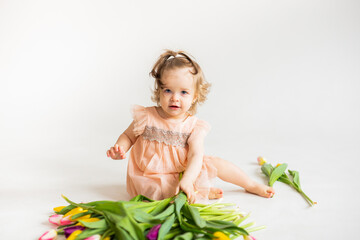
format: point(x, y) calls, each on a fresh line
point(90, 219)
point(58, 209)
point(74, 235)
point(74, 211)
point(261, 160)
point(220, 236)
point(87, 220)
point(81, 218)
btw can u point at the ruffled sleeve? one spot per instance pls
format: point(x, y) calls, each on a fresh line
point(140, 119)
point(201, 128)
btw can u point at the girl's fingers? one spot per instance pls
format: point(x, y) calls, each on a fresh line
point(121, 149)
point(112, 153)
point(191, 198)
point(188, 197)
point(177, 190)
point(116, 152)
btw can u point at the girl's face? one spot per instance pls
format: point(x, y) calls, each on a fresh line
point(177, 92)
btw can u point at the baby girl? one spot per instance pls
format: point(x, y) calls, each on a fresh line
point(168, 139)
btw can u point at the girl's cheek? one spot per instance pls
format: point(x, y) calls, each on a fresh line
point(166, 94)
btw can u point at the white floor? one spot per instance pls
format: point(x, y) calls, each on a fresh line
point(70, 71)
point(31, 186)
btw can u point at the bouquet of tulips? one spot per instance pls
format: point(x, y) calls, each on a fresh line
point(143, 218)
point(278, 173)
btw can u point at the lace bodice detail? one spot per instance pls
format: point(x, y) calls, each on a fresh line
point(164, 136)
point(160, 153)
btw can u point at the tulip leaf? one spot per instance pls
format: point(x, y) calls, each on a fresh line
point(175, 231)
point(82, 214)
point(95, 203)
point(143, 217)
point(166, 226)
point(145, 226)
point(225, 225)
point(266, 168)
point(276, 173)
point(161, 206)
point(199, 221)
point(122, 234)
point(296, 177)
point(98, 224)
point(216, 225)
point(141, 198)
point(180, 200)
point(114, 207)
point(167, 212)
point(219, 224)
point(90, 232)
point(188, 227)
point(185, 236)
point(285, 179)
point(124, 220)
point(66, 209)
point(121, 226)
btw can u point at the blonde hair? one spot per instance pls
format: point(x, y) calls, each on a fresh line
point(171, 60)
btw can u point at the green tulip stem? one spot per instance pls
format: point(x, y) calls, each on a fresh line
point(297, 188)
point(253, 229)
point(83, 206)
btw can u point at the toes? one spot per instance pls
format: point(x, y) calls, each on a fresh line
point(215, 193)
point(270, 192)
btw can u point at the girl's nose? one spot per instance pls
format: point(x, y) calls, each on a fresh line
point(175, 97)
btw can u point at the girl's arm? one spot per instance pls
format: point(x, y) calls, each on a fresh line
point(195, 161)
point(123, 144)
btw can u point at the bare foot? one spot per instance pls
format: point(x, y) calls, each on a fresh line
point(261, 190)
point(215, 193)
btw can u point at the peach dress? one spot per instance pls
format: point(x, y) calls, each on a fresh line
point(160, 154)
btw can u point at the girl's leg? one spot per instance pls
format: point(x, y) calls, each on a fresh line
point(231, 173)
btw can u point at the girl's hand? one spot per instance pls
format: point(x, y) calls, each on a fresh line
point(188, 188)
point(116, 152)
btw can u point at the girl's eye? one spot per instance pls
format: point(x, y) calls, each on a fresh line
point(184, 92)
point(167, 90)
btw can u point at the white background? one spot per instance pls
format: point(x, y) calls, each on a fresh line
point(285, 84)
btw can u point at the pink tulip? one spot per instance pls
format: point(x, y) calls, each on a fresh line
point(261, 160)
point(49, 235)
point(94, 237)
point(249, 238)
point(55, 219)
point(65, 221)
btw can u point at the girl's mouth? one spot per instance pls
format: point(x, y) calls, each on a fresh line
point(174, 107)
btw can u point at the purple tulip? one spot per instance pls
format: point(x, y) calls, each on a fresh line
point(153, 233)
point(69, 230)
